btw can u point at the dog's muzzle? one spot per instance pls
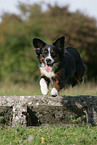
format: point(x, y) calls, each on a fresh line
point(49, 64)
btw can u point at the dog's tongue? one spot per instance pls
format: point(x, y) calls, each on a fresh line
point(48, 68)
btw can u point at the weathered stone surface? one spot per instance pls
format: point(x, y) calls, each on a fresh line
point(36, 110)
point(5, 115)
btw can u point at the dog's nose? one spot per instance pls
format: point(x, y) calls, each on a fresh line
point(48, 60)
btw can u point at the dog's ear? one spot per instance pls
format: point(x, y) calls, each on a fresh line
point(59, 43)
point(38, 43)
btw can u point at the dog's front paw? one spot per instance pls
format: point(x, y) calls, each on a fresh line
point(54, 92)
point(43, 86)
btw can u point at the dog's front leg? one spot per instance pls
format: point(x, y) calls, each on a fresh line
point(54, 91)
point(43, 86)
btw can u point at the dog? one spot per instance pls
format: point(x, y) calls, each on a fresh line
point(59, 64)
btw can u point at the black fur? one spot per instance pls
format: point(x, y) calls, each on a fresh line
point(68, 67)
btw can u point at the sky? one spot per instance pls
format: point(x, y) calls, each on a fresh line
point(88, 7)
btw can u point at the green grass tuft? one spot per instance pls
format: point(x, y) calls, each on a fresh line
point(49, 135)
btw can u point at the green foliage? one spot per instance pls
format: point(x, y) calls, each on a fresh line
point(77, 120)
point(18, 62)
point(51, 135)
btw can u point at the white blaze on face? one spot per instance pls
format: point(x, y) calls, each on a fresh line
point(49, 56)
point(48, 68)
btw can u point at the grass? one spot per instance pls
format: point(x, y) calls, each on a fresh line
point(49, 135)
point(89, 88)
point(20, 89)
point(10, 89)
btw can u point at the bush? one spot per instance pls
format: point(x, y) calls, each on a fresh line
point(17, 57)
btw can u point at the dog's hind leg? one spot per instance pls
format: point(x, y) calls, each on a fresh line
point(78, 80)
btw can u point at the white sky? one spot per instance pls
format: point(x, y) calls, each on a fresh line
point(89, 7)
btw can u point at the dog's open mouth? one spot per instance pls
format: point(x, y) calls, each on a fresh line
point(48, 67)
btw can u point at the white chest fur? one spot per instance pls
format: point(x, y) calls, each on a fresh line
point(47, 74)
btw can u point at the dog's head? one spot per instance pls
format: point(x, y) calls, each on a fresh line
point(48, 55)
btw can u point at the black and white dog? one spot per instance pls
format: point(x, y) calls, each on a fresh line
point(62, 65)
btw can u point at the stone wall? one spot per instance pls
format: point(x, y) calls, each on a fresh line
point(41, 110)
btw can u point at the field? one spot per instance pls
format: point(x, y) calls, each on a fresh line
point(18, 64)
point(48, 135)
point(10, 89)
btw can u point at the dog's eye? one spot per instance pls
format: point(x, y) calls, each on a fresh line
point(45, 51)
point(53, 53)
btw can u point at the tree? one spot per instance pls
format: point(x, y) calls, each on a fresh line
point(17, 57)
